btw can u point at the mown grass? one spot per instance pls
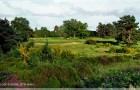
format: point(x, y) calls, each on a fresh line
point(79, 46)
point(67, 40)
point(56, 40)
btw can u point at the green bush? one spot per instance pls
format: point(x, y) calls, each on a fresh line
point(67, 76)
point(1, 56)
point(112, 50)
point(117, 50)
point(33, 59)
point(91, 42)
point(107, 45)
point(53, 82)
point(14, 53)
point(129, 50)
point(115, 79)
point(47, 53)
point(68, 54)
point(29, 44)
point(136, 57)
point(105, 60)
point(84, 70)
point(123, 50)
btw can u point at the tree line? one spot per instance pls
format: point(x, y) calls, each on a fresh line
point(124, 30)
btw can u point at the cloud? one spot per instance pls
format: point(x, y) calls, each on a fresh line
point(117, 13)
point(53, 12)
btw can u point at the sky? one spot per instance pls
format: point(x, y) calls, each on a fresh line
point(48, 13)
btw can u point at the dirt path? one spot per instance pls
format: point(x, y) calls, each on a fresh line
point(59, 43)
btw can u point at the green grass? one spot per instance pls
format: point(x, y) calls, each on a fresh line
point(77, 45)
point(56, 40)
point(64, 40)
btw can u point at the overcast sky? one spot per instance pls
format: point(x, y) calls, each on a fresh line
point(48, 13)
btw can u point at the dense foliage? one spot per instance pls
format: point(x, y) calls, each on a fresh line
point(125, 27)
point(21, 26)
point(74, 28)
point(8, 37)
point(106, 30)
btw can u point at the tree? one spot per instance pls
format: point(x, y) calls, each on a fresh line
point(7, 36)
point(21, 26)
point(56, 28)
point(93, 33)
point(106, 30)
point(125, 27)
point(42, 32)
point(75, 28)
point(101, 30)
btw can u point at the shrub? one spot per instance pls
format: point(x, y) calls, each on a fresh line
point(68, 54)
point(115, 59)
point(53, 82)
point(29, 45)
point(107, 45)
point(137, 57)
point(47, 53)
point(33, 59)
point(115, 79)
point(129, 50)
point(1, 56)
point(67, 76)
point(122, 50)
point(57, 51)
point(84, 70)
point(90, 42)
point(2, 75)
point(24, 53)
point(103, 60)
point(112, 50)
point(14, 53)
point(116, 50)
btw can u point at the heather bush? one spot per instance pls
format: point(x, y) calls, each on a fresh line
point(84, 70)
point(92, 60)
point(103, 60)
point(67, 76)
point(2, 75)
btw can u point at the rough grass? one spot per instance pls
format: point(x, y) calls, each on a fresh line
point(100, 70)
point(75, 45)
